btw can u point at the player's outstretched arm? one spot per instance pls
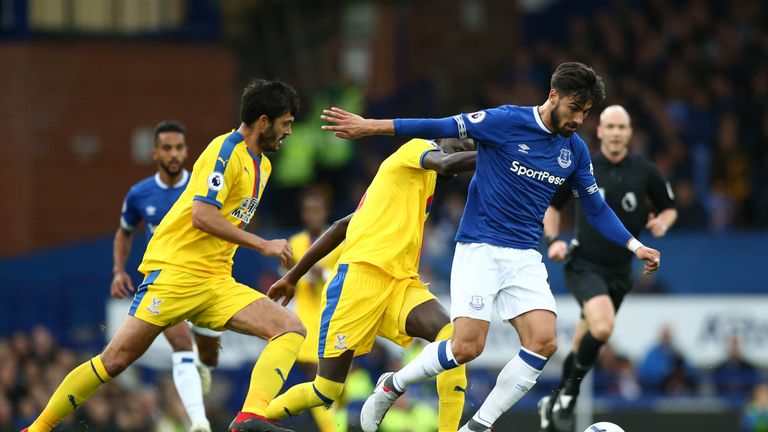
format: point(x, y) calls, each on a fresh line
point(206, 218)
point(450, 164)
point(352, 126)
point(331, 238)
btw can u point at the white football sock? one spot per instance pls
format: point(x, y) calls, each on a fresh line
point(187, 381)
point(433, 359)
point(514, 381)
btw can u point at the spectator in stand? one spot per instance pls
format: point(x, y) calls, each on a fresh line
point(664, 369)
point(735, 375)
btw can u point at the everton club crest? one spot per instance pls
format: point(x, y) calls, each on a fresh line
point(565, 158)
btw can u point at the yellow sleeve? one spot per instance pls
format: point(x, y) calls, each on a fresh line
point(411, 154)
point(215, 173)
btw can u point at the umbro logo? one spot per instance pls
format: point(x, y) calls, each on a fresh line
point(523, 148)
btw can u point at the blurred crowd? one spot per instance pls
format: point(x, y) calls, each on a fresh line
point(32, 364)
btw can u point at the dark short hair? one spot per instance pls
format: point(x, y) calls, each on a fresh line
point(578, 79)
point(267, 97)
point(169, 126)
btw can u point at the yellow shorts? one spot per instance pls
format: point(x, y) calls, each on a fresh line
point(362, 301)
point(167, 297)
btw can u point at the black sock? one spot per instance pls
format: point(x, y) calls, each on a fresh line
point(589, 348)
point(567, 369)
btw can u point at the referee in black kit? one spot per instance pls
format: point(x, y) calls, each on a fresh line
point(597, 272)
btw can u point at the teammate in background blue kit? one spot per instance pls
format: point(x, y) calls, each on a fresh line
point(149, 200)
point(524, 155)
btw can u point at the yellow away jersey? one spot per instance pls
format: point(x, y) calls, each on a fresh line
point(228, 176)
point(388, 225)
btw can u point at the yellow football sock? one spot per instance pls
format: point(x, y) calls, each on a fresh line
point(270, 371)
point(324, 418)
point(76, 388)
point(303, 396)
point(450, 389)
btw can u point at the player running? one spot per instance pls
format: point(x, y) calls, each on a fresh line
point(188, 266)
point(524, 155)
point(597, 272)
point(149, 200)
point(376, 288)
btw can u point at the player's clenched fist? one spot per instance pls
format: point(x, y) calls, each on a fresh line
point(558, 250)
point(652, 258)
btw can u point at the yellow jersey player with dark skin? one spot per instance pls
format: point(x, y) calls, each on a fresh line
point(314, 215)
point(375, 289)
point(188, 266)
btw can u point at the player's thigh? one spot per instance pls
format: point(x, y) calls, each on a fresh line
point(469, 336)
point(179, 337)
point(131, 340)
point(421, 314)
point(474, 281)
point(208, 348)
point(353, 304)
point(265, 319)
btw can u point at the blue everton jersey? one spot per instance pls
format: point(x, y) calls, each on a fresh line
point(520, 165)
point(149, 200)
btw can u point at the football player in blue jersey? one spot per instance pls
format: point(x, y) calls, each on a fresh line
point(149, 200)
point(524, 154)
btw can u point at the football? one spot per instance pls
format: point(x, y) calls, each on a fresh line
point(604, 427)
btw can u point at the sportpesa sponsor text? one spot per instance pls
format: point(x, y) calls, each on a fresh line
point(534, 174)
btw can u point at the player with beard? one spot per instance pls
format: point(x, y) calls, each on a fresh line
point(524, 154)
point(149, 200)
point(188, 266)
point(598, 273)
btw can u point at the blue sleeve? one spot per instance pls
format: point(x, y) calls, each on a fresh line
point(487, 126)
point(427, 128)
point(597, 211)
point(604, 219)
point(130, 215)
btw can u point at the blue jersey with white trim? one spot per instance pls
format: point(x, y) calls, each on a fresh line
point(520, 165)
point(149, 200)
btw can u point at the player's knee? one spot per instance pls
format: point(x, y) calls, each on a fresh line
point(543, 345)
point(602, 330)
point(466, 351)
point(328, 391)
point(179, 341)
point(293, 324)
point(115, 364)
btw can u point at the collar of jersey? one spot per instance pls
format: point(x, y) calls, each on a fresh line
point(539, 121)
point(180, 183)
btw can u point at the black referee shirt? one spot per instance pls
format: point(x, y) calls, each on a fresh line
point(626, 187)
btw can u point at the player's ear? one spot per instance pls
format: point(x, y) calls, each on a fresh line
point(553, 96)
point(262, 123)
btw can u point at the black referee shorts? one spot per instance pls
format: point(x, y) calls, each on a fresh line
point(586, 280)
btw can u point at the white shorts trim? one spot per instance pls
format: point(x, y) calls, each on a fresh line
point(483, 276)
